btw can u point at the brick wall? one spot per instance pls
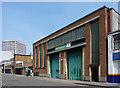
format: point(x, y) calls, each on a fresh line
point(102, 13)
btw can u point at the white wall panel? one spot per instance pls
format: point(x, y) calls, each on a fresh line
point(114, 20)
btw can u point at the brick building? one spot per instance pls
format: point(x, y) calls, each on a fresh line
point(77, 51)
point(20, 64)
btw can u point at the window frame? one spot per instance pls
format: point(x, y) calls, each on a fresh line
point(113, 43)
point(40, 55)
point(36, 57)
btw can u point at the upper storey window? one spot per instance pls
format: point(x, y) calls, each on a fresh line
point(116, 39)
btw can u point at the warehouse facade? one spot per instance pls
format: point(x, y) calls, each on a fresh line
point(77, 51)
point(21, 63)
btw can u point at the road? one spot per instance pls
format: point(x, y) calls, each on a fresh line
point(18, 80)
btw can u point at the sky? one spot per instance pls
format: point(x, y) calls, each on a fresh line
point(29, 22)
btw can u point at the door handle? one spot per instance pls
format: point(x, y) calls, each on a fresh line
point(57, 70)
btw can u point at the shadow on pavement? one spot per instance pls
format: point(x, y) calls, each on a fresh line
point(97, 85)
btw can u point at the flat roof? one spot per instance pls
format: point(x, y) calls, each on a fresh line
point(14, 41)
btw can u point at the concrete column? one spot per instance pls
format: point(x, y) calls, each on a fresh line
point(83, 63)
point(90, 74)
point(48, 65)
point(99, 73)
point(60, 65)
point(65, 64)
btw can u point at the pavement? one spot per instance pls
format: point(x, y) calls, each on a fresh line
point(88, 83)
point(11, 81)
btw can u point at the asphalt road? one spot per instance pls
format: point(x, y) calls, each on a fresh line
point(18, 80)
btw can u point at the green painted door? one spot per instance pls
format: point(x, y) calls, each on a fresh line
point(74, 62)
point(54, 65)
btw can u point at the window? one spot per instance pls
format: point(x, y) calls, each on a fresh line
point(40, 54)
point(36, 57)
point(44, 45)
point(95, 41)
point(116, 39)
point(70, 36)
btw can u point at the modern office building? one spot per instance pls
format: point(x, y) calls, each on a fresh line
point(78, 51)
point(14, 46)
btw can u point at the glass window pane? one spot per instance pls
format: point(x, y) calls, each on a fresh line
point(117, 42)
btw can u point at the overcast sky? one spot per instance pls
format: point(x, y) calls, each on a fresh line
point(29, 22)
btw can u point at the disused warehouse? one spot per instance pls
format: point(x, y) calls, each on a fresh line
point(77, 51)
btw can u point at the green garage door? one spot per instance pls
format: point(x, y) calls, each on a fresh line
point(74, 62)
point(54, 65)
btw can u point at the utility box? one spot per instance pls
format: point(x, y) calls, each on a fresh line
point(36, 73)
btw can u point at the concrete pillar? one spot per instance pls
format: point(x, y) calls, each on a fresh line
point(90, 74)
point(83, 63)
point(99, 73)
point(60, 65)
point(48, 65)
point(65, 64)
